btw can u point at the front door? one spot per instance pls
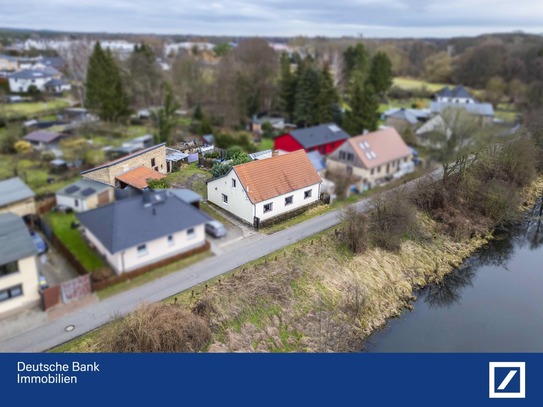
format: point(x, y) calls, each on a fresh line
point(256, 222)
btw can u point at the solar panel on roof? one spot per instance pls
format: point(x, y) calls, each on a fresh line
point(334, 128)
point(88, 191)
point(72, 189)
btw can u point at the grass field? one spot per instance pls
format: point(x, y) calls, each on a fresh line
point(72, 239)
point(28, 109)
point(408, 83)
point(190, 177)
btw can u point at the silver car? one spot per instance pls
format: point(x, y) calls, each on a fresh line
point(216, 228)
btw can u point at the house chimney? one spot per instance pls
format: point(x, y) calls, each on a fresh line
point(146, 197)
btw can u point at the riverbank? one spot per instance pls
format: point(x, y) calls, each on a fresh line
point(315, 296)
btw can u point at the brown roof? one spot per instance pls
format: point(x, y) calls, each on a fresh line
point(138, 177)
point(265, 179)
point(380, 147)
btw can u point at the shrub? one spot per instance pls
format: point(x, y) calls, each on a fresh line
point(158, 327)
point(354, 230)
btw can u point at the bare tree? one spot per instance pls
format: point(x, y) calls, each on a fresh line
point(76, 59)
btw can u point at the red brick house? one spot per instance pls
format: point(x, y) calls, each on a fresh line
point(324, 138)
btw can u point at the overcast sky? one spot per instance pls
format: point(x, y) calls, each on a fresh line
point(371, 18)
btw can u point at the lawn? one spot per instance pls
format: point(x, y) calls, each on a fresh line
point(190, 177)
point(266, 144)
point(408, 83)
point(62, 227)
point(27, 109)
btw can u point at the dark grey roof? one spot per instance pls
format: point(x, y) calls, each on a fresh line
point(56, 82)
point(34, 73)
point(14, 190)
point(15, 240)
point(480, 109)
point(319, 135)
point(457, 92)
point(77, 189)
point(128, 223)
point(186, 195)
point(42, 136)
point(404, 114)
point(9, 57)
point(55, 62)
point(317, 160)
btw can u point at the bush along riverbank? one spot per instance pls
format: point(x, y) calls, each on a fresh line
point(329, 292)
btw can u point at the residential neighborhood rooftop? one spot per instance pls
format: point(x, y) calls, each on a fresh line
point(457, 92)
point(133, 221)
point(265, 179)
point(319, 135)
point(83, 188)
point(480, 109)
point(42, 136)
point(14, 190)
point(379, 147)
point(138, 177)
point(15, 240)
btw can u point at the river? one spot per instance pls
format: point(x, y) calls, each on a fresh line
point(492, 303)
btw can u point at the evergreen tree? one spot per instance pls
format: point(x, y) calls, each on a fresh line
point(306, 93)
point(356, 59)
point(381, 73)
point(327, 98)
point(287, 87)
point(364, 106)
point(164, 118)
point(198, 115)
point(105, 92)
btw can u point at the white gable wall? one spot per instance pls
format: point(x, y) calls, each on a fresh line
point(238, 204)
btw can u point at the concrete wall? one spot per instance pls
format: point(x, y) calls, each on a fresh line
point(107, 175)
point(157, 249)
point(28, 277)
point(21, 208)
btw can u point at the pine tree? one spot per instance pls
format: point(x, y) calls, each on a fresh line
point(381, 73)
point(287, 87)
point(307, 90)
point(105, 92)
point(364, 106)
point(327, 98)
point(356, 59)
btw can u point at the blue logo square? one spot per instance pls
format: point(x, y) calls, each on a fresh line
point(505, 381)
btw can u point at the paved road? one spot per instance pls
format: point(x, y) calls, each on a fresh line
point(238, 253)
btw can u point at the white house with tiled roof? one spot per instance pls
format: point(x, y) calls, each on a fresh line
point(265, 189)
point(372, 158)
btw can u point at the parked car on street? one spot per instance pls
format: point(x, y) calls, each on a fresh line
point(40, 244)
point(216, 229)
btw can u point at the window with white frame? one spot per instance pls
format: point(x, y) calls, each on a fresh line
point(224, 198)
point(142, 250)
point(233, 183)
point(191, 233)
point(307, 194)
point(289, 200)
point(268, 207)
point(8, 268)
point(171, 242)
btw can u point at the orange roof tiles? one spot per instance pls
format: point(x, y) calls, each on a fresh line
point(380, 147)
point(265, 179)
point(138, 177)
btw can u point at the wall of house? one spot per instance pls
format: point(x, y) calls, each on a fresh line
point(160, 249)
point(8, 65)
point(17, 85)
point(286, 142)
point(113, 261)
point(21, 208)
point(89, 203)
point(28, 277)
point(238, 204)
point(326, 149)
point(454, 100)
point(107, 175)
point(370, 177)
point(278, 203)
